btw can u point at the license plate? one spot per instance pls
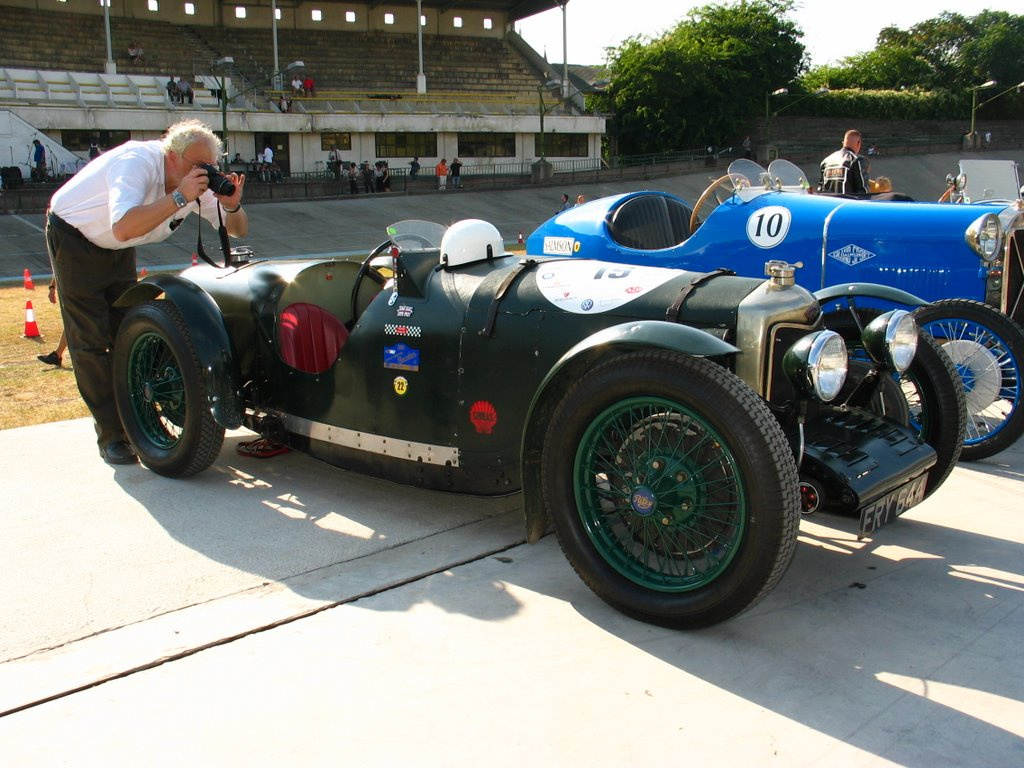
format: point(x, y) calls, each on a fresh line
point(891, 506)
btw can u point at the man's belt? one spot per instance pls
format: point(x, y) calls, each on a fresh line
point(58, 223)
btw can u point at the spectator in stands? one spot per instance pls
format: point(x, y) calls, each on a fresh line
point(185, 91)
point(38, 160)
point(297, 86)
point(308, 86)
point(414, 169)
point(94, 150)
point(172, 91)
point(283, 104)
point(353, 179)
point(456, 173)
point(133, 53)
point(441, 169)
point(845, 172)
point(128, 196)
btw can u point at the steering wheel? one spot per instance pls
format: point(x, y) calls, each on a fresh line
point(366, 270)
point(716, 189)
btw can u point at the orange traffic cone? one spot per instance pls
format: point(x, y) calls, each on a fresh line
point(195, 260)
point(31, 329)
point(143, 272)
point(29, 286)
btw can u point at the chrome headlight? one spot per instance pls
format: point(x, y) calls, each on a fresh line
point(891, 340)
point(817, 364)
point(985, 236)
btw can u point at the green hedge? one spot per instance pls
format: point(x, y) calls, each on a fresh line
point(911, 105)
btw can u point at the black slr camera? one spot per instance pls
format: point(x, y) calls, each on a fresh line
point(219, 183)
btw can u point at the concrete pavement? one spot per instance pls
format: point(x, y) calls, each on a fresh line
point(284, 612)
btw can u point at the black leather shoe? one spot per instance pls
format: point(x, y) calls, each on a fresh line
point(51, 359)
point(119, 452)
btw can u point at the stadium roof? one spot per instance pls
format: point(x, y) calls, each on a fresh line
point(516, 9)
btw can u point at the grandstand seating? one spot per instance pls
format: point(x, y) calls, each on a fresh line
point(345, 61)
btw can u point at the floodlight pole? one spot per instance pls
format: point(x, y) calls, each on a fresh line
point(974, 104)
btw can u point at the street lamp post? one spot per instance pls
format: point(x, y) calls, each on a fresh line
point(782, 92)
point(974, 106)
point(544, 109)
point(219, 68)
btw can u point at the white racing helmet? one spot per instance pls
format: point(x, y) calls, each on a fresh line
point(470, 240)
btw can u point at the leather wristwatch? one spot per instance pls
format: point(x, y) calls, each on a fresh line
point(179, 199)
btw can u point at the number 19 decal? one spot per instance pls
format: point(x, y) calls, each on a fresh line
point(769, 226)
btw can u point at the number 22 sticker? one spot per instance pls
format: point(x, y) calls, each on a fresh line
point(769, 226)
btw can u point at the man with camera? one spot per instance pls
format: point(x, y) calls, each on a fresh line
point(131, 195)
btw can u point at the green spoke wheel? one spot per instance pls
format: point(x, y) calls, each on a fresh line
point(658, 495)
point(671, 488)
point(161, 394)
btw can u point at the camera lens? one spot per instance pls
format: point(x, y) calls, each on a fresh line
point(219, 183)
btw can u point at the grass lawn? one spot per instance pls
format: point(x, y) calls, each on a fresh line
point(32, 392)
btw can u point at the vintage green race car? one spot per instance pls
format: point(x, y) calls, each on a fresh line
point(670, 425)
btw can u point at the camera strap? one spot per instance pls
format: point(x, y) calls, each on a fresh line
point(222, 232)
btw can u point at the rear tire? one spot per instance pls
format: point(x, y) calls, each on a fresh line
point(160, 392)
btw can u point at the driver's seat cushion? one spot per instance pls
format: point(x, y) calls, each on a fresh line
point(650, 222)
point(309, 337)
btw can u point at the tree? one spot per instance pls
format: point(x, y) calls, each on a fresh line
point(704, 80)
point(949, 51)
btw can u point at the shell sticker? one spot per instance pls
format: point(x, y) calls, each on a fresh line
point(483, 416)
point(768, 226)
point(586, 287)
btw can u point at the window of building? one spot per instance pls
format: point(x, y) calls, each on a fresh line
point(487, 145)
point(488, 23)
point(389, 18)
point(277, 14)
point(340, 140)
point(457, 22)
point(190, 9)
point(240, 12)
point(79, 141)
point(406, 144)
point(316, 14)
point(105, 3)
point(350, 17)
point(153, 5)
point(562, 144)
point(423, 20)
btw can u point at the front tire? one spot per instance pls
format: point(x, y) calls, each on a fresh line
point(927, 396)
point(987, 351)
point(160, 392)
point(671, 487)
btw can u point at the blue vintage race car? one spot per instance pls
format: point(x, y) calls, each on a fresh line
point(964, 263)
